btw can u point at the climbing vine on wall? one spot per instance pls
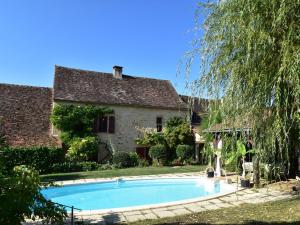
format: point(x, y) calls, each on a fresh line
point(75, 122)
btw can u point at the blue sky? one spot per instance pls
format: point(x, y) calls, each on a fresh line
point(146, 37)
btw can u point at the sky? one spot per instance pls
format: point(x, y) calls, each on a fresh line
point(147, 37)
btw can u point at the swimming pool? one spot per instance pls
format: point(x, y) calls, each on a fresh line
point(132, 193)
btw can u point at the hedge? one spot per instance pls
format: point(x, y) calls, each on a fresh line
point(39, 158)
point(69, 166)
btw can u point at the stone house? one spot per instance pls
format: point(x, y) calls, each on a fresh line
point(137, 102)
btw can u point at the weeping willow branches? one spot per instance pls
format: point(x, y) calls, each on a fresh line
point(250, 55)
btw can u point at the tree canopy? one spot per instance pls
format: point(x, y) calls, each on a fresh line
point(250, 57)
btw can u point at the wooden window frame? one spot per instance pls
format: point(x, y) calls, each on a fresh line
point(110, 124)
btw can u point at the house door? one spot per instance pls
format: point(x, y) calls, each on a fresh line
point(143, 153)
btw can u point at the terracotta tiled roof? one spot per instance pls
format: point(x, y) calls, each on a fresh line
point(25, 115)
point(102, 88)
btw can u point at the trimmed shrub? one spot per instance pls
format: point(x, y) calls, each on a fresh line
point(66, 167)
point(122, 160)
point(184, 152)
point(159, 153)
point(39, 158)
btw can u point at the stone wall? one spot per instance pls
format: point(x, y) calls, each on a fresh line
point(128, 119)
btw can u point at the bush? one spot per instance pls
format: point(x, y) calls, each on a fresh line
point(21, 198)
point(134, 158)
point(150, 137)
point(184, 152)
point(82, 149)
point(105, 167)
point(66, 167)
point(178, 132)
point(176, 162)
point(143, 163)
point(122, 160)
point(158, 152)
point(39, 158)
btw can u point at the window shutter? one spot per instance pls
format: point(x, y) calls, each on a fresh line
point(111, 124)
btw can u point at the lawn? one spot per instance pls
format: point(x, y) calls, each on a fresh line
point(136, 171)
point(278, 212)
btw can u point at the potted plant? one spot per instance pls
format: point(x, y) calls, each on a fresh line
point(210, 154)
point(245, 182)
point(210, 172)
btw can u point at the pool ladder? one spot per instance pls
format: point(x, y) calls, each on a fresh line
point(119, 180)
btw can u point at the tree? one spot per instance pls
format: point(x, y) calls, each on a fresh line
point(20, 198)
point(178, 131)
point(250, 57)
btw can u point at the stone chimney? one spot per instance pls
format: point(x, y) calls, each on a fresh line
point(117, 72)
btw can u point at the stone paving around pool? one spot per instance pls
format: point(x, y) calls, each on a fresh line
point(230, 200)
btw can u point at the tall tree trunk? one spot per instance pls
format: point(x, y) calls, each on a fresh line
point(256, 172)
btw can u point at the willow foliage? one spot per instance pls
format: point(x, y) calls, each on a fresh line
point(250, 55)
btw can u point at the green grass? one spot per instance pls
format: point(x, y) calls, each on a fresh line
point(278, 212)
point(136, 171)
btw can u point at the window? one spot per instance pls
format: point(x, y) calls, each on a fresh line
point(159, 124)
point(102, 124)
point(105, 124)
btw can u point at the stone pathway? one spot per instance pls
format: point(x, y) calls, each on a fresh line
point(240, 197)
point(231, 200)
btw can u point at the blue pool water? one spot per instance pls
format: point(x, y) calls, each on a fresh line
point(92, 196)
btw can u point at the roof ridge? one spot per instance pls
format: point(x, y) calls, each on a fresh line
point(107, 73)
point(83, 70)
